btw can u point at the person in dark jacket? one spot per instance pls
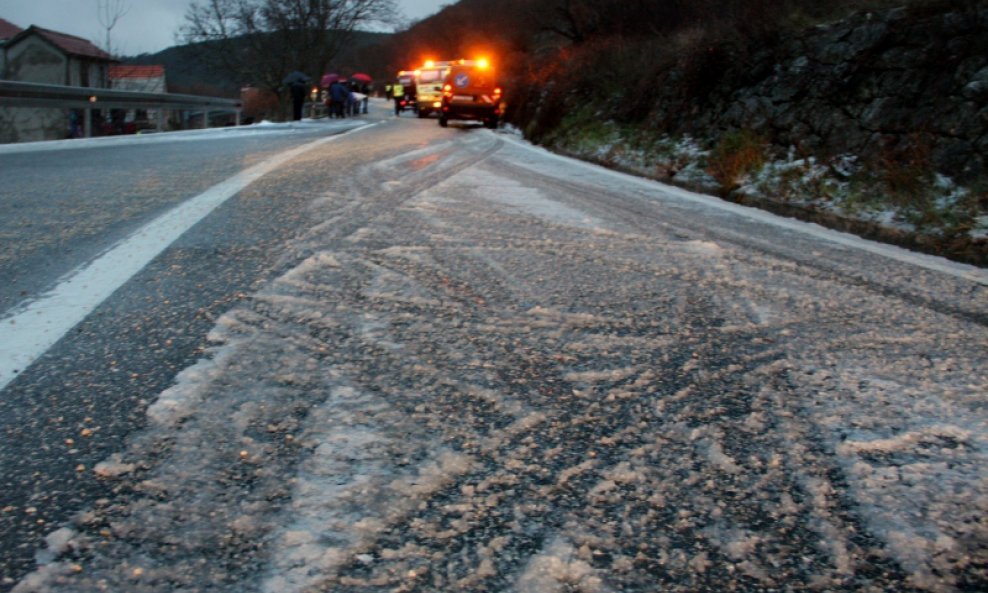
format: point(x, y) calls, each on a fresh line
point(338, 96)
point(298, 90)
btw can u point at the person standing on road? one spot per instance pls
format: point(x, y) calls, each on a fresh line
point(398, 92)
point(338, 95)
point(298, 100)
point(298, 87)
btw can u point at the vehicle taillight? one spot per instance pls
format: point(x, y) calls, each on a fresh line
point(497, 92)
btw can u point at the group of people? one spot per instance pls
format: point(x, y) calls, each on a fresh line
point(344, 100)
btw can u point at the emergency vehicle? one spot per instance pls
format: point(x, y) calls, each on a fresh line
point(429, 84)
point(406, 79)
point(471, 92)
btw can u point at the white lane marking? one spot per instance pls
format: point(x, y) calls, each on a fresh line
point(34, 327)
point(922, 260)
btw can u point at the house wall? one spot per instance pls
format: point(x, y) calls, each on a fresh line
point(156, 118)
point(33, 59)
point(82, 72)
point(30, 124)
point(143, 85)
point(36, 60)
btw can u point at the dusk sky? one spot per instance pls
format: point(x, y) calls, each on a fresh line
point(148, 25)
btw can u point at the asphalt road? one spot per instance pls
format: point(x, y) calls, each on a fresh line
point(420, 359)
point(63, 207)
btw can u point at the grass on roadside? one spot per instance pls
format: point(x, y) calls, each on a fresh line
point(904, 196)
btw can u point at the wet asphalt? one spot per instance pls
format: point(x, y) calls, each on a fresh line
point(62, 208)
point(516, 367)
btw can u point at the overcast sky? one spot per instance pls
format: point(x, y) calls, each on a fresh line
point(148, 26)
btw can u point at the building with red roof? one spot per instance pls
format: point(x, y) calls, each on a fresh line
point(44, 56)
point(144, 79)
point(8, 30)
point(131, 77)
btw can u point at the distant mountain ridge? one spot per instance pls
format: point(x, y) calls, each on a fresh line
point(186, 74)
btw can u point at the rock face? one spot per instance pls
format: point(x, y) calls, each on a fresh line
point(909, 84)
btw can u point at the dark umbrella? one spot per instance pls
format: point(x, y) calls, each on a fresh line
point(328, 79)
point(360, 77)
point(296, 78)
point(296, 82)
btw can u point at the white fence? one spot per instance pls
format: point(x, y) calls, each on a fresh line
point(26, 94)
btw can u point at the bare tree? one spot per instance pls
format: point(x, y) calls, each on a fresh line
point(261, 41)
point(109, 12)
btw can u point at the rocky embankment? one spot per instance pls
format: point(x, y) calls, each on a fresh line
point(877, 84)
point(875, 124)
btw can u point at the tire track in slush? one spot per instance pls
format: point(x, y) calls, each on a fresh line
point(573, 439)
point(465, 398)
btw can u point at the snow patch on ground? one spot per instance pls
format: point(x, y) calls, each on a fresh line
point(508, 192)
point(558, 568)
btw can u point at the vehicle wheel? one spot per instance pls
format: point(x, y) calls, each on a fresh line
point(443, 122)
point(491, 123)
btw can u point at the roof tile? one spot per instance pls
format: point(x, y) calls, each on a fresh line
point(136, 71)
point(8, 29)
point(72, 45)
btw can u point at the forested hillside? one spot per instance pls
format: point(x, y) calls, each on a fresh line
point(186, 73)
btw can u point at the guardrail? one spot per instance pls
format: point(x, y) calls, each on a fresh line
point(29, 94)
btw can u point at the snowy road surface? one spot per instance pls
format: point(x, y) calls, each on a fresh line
point(484, 368)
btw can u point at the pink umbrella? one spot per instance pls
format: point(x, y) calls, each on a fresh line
point(361, 77)
point(328, 79)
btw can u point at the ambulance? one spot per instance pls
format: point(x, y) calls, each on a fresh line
point(429, 80)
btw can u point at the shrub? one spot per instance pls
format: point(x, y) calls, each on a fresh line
point(735, 156)
point(907, 169)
